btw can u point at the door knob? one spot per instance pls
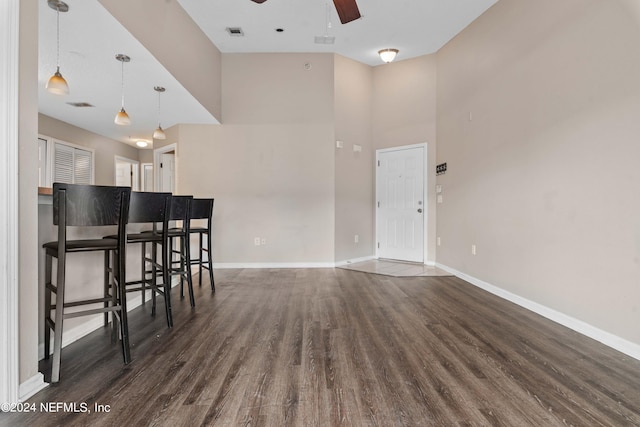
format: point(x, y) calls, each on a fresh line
point(419, 210)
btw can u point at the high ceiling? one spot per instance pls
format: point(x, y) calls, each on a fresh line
point(415, 27)
point(90, 38)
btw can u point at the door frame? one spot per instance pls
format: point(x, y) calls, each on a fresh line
point(157, 159)
point(9, 198)
point(425, 217)
point(135, 180)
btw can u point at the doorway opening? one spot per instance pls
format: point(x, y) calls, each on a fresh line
point(127, 173)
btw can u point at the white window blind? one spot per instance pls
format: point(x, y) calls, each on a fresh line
point(72, 165)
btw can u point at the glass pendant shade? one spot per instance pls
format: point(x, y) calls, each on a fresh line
point(159, 133)
point(122, 118)
point(57, 84)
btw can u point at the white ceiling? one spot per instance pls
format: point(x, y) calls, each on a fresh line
point(415, 27)
point(90, 38)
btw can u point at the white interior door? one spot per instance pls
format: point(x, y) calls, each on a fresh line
point(167, 172)
point(400, 204)
point(147, 176)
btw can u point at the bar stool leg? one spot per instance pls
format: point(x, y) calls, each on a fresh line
point(210, 260)
point(57, 331)
point(154, 278)
point(47, 305)
point(187, 264)
point(106, 286)
point(166, 281)
point(200, 259)
point(124, 324)
point(143, 273)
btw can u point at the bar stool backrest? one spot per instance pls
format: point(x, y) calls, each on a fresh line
point(180, 208)
point(149, 207)
point(90, 205)
point(201, 208)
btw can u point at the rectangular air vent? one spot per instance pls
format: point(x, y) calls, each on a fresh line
point(235, 31)
point(79, 104)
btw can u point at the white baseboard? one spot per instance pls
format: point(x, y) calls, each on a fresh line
point(32, 386)
point(234, 265)
point(627, 347)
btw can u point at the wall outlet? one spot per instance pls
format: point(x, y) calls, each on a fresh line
point(256, 241)
point(473, 249)
point(439, 198)
point(339, 144)
point(356, 238)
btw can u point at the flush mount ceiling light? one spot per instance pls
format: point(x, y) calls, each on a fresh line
point(142, 143)
point(388, 55)
point(122, 118)
point(57, 84)
point(159, 133)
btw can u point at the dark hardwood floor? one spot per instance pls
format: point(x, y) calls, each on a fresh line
point(328, 347)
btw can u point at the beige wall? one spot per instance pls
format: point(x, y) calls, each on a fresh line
point(105, 148)
point(28, 187)
point(354, 171)
point(270, 167)
point(170, 34)
point(404, 113)
point(543, 176)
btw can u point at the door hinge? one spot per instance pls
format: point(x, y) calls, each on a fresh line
point(378, 245)
point(378, 163)
point(378, 204)
point(160, 164)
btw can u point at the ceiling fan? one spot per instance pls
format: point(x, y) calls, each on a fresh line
point(347, 9)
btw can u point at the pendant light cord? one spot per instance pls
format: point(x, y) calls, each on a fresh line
point(122, 84)
point(58, 38)
point(159, 109)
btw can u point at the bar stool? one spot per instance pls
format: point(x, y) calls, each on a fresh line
point(85, 206)
point(181, 212)
point(203, 209)
point(150, 208)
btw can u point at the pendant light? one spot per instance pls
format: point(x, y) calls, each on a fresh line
point(388, 55)
point(159, 133)
point(57, 84)
point(122, 118)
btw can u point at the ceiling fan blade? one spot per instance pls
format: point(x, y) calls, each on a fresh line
point(258, 1)
point(347, 10)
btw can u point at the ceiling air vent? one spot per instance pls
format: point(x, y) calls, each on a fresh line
point(235, 31)
point(79, 104)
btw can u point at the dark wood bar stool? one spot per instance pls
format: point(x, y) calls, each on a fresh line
point(181, 212)
point(85, 206)
point(150, 208)
point(203, 209)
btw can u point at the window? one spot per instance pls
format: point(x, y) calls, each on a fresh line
point(70, 163)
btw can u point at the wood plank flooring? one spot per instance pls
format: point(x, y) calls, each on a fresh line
point(333, 347)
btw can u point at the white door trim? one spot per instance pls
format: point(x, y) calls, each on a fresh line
point(157, 159)
point(425, 218)
point(9, 222)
